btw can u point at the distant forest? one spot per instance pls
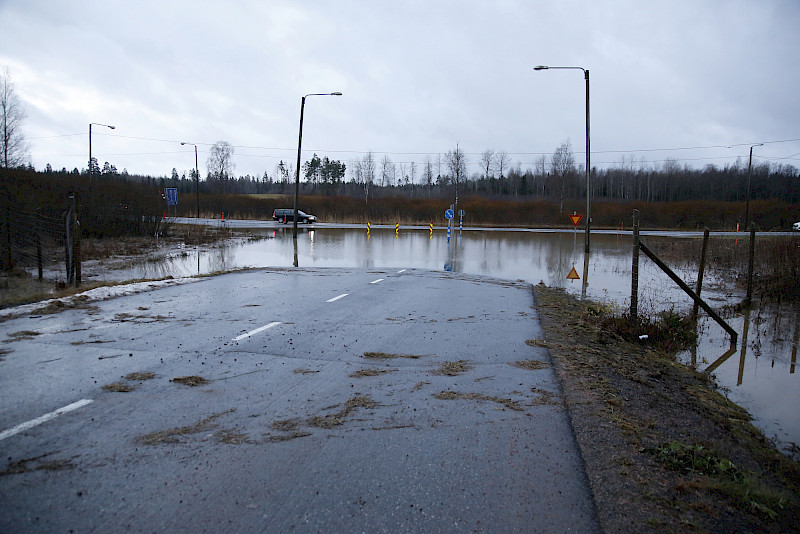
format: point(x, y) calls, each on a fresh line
point(556, 178)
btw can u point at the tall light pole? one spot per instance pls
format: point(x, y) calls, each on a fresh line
point(747, 204)
point(196, 177)
point(297, 169)
point(588, 157)
point(91, 169)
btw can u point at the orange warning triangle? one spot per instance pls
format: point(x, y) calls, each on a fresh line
point(575, 219)
point(573, 274)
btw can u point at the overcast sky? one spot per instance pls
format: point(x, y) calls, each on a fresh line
point(418, 77)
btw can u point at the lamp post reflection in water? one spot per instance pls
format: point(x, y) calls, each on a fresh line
point(585, 283)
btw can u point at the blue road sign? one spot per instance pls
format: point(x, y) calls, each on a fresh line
point(171, 194)
point(448, 214)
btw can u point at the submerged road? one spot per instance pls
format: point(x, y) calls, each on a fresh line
point(331, 401)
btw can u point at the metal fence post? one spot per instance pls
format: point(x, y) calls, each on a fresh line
point(635, 269)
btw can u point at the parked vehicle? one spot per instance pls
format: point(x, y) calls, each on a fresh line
point(287, 215)
point(796, 227)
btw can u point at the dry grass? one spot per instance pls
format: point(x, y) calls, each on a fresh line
point(172, 435)
point(140, 376)
point(536, 343)
point(22, 335)
point(454, 395)
point(453, 368)
point(361, 373)
point(118, 387)
point(338, 418)
point(530, 365)
point(192, 380)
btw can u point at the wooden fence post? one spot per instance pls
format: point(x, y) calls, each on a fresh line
point(749, 298)
point(635, 269)
point(701, 272)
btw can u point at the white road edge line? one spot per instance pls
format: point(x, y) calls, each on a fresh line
point(334, 299)
point(43, 419)
point(377, 281)
point(256, 331)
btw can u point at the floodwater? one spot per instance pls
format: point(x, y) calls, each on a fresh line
point(759, 374)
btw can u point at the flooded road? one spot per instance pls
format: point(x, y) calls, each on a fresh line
point(761, 376)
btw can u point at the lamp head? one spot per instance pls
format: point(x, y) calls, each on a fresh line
point(541, 67)
point(336, 94)
point(113, 127)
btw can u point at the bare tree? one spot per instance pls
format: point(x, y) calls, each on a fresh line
point(12, 115)
point(456, 162)
point(366, 169)
point(220, 163)
point(387, 171)
point(487, 162)
point(502, 160)
point(428, 175)
point(562, 165)
point(540, 169)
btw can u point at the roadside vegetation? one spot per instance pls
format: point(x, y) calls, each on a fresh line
point(664, 451)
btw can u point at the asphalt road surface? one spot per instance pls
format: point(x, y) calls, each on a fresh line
point(336, 401)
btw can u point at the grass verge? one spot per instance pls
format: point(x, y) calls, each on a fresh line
point(664, 451)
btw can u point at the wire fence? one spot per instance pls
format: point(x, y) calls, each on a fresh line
point(36, 243)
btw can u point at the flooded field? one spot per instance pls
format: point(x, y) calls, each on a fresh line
point(758, 374)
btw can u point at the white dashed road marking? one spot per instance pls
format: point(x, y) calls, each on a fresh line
point(256, 331)
point(377, 281)
point(334, 299)
point(43, 419)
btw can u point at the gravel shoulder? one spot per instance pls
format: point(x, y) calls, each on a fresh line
point(664, 451)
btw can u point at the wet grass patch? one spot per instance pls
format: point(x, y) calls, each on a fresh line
point(530, 365)
point(173, 435)
point(22, 335)
point(719, 474)
point(191, 380)
point(362, 373)
point(231, 437)
point(537, 343)
point(287, 437)
point(118, 387)
point(419, 386)
point(453, 368)
point(455, 395)
point(337, 419)
point(3, 353)
point(27, 465)
point(140, 376)
point(56, 306)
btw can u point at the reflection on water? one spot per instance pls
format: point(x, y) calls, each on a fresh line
point(762, 379)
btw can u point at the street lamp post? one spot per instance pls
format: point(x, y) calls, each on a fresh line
point(196, 177)
point(297, 169)
point(588, 156)
point(91, 168)
point(747, 204)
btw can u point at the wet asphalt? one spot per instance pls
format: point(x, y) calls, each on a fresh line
point(297, 429)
